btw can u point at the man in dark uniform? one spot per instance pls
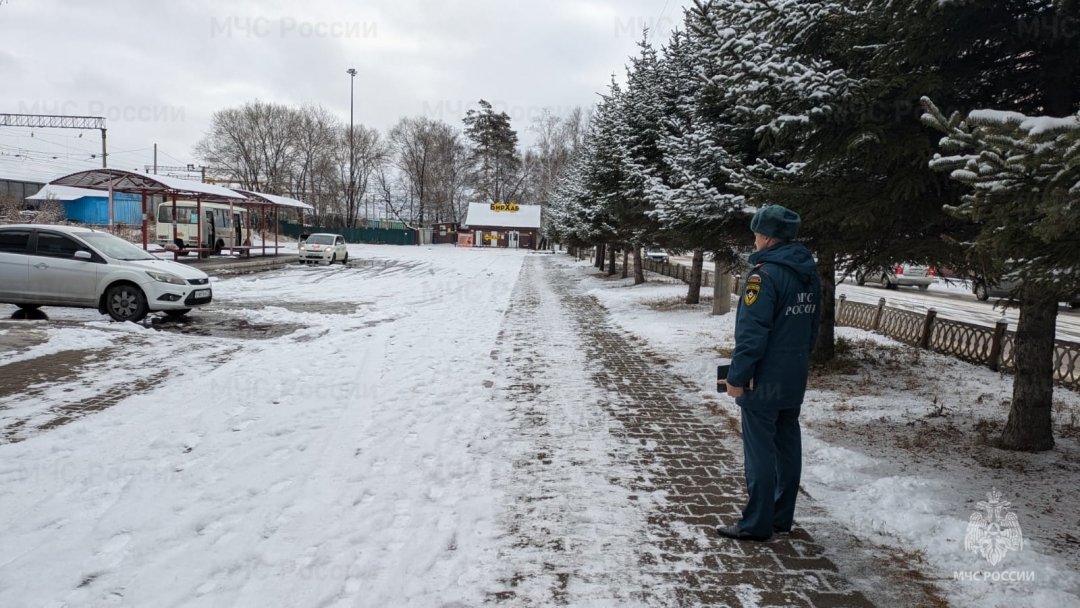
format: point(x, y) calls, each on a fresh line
point(775, 329)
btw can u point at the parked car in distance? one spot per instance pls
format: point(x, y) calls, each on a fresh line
point(1004, 289)
point(657, 255)
point(898, 275)
point(324, 247)
point(43, 265)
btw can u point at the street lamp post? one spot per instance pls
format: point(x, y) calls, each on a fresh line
point(349, 192)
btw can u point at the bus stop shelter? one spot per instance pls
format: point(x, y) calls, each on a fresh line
point(171, 188)
point(271, 204)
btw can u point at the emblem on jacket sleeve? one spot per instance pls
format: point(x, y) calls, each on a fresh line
point(751, 295)
point(993, 530)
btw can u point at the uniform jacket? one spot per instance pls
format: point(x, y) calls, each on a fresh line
point(775, 327)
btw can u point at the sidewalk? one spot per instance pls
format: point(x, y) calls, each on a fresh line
point(671, 461)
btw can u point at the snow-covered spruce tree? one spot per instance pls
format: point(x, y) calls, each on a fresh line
point(767, 82)
point(1024, 176)
point(605, 174)
point(965, 55)
point(568, 213)
point(690, 190)
point(637, 132)
point(835, 87)
point(590, 188)
point(1019, 57)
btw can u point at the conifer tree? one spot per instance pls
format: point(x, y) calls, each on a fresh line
point(591, 187)
point(497, 162)
point(1024, 176)
point(637, 134)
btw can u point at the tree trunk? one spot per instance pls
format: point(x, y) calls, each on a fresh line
point(611, 260)
point(721, 304)
point(639, 267)
point(625, 265)
point(599, 261)
point(1029, 426)
point(825, 349)
point(693, 295)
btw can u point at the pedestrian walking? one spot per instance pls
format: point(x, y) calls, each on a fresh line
point(775, 329)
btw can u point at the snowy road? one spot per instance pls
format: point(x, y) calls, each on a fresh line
point(955, 301)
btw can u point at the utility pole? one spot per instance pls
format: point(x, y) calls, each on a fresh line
point(59, 121)
point(349, 194)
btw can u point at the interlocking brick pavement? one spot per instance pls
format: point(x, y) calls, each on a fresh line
point(678, 449)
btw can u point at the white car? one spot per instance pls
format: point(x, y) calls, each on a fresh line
point(42, 265)
point(324, 247)
point(657, 255)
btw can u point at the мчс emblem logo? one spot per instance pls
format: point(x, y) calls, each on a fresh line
point(993, 530)
point(751, 294)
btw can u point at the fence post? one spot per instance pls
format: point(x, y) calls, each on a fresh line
point(877, 315)
point(840, 309)
point(927, 329)
point(997, 344)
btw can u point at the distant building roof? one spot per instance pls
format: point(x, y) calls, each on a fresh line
point(481, 214)
point(65, 193)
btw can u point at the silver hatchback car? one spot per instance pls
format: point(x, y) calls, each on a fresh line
point(42, 265)
point(899, 275)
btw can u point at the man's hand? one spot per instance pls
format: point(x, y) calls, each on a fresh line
point(734, 391)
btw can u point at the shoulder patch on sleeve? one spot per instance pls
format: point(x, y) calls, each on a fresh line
point(751, 294)
point(754, 278)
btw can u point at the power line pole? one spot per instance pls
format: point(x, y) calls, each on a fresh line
point(349, 194)
point(59, 121)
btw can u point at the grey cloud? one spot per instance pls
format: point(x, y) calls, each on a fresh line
point(161, 69)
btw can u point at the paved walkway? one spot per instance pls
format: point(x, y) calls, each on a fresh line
point(666, 446)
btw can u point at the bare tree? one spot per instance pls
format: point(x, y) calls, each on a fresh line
point(419, 146)
point(395, 194)
point(255, 144)
point(10, 208)
point(450, 177)
point(313, 178)
point(49, 211)
point(369, 153)
point(557, 138)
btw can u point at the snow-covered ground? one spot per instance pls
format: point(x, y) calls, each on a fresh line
point(348, 436)
point(896, 449)
point(353, 461)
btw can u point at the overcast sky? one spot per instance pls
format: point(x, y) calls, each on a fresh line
point(158, 70)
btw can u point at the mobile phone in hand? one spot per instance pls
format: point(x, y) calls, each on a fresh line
point(721, 378)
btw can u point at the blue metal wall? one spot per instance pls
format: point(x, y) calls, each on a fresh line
point(94, 210)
